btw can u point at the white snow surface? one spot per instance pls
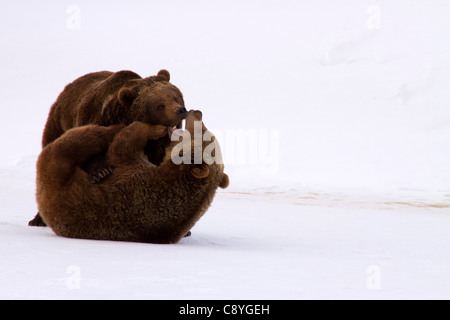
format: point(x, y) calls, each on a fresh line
point(334, 121)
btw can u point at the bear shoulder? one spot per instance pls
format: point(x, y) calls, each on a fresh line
point(90, 109)
point(123, 76)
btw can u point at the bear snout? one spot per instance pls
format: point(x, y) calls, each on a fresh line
point(181, 112)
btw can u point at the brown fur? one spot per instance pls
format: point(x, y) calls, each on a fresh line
point(107, 98)
point(139, 202)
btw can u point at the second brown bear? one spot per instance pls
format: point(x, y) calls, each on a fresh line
point(140, 201)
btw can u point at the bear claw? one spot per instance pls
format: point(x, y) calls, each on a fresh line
point(100, 175)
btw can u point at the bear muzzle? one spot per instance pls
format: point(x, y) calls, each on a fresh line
point(181, 112)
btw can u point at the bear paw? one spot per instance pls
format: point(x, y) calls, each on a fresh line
point(37, 221)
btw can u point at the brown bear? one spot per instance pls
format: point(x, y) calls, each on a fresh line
point(106, 98)
point(140, 202)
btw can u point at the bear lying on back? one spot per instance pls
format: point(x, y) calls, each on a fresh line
point(107, 98)
point(140, 201)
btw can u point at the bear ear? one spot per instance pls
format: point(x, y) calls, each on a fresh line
point(225, 181)
point(200, 172)
point(164, 75)
point(126, 96)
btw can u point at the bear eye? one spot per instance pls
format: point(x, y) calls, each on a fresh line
point(175, 99)
point(160, 107)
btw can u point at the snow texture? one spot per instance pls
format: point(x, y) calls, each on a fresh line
point(334, 122)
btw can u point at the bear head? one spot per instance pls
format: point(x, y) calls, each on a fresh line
point(153, 100)
point(198, 148)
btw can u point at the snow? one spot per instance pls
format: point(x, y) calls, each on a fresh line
point(334, 123)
